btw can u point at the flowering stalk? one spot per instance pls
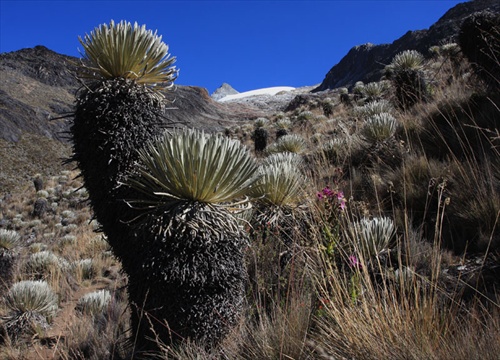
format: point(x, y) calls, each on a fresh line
point(332, 203)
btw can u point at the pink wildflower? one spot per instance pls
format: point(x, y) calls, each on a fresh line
point(354, 262)
point(341, 199)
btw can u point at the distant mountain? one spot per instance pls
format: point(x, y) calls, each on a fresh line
point(222, 91)
point(366, 62)
point(37, 95)
point(38, 89)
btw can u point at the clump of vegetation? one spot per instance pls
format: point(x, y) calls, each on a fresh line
point(9, 239)
point(9, 242)
point(94, 303)
point(373, 108)
point(289, 143)
point(374, 91)
point(260, 135)
point(479, 41)
point(32, 305)
point(407, 74)
point(125, 67)
point(328, 107)
point(282, 127)
point(372, 236)
point(379, 127)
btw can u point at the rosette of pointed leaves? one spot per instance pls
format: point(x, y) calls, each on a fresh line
point(9, 239)
point(280, 181)
point(32, 296)
point(371, 236)
point(379, 127)
point(117, 111)
point(373, 108)
point(407, 60)
point(94, 303)
point(127, 51)
point(374, 91)
point(288, 143)
point(32, 305)
point(406, 72)
point(189, 165)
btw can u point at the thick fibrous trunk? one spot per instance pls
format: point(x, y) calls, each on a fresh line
point(199, 271)
point(112, 120)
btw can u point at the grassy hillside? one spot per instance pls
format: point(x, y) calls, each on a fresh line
point(384, 244)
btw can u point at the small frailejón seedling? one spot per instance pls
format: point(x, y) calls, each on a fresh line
point(379, 127)
point(372, 236)
point(32, 306)
point(94, 303)
point(280, 181)
point(292, 143)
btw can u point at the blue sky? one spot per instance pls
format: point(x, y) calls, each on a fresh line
point(248, 44)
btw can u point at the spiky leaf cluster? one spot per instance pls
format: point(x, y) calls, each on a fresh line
point(449, 50)
point(43, 261)
point(280, 182)
point(334, 149)
point(305, 115)
point(371, 236)
point(116, 113)
point(328, 107)
point(32, 296)
point(85, 267)
point(284, 123)
point(189, 165)
point(261, 122)
point(374, 91)
point(379, 127)
point(288, 143)
point(195, 252)
point(127, 51)
point(406, 60)
point(191, 240)
point(358, 88)
point(406, 72)
point(373, 108)
point(94, 303)
point(9, 239)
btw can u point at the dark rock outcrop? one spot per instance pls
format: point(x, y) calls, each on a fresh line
point(366, 62)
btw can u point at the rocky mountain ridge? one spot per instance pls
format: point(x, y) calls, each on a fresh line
point(38, 89)
point(366, 62)
point(38, 85)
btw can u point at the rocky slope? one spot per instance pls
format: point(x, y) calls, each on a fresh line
point(366, 62)
point(37, 92)
point(37, 95)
